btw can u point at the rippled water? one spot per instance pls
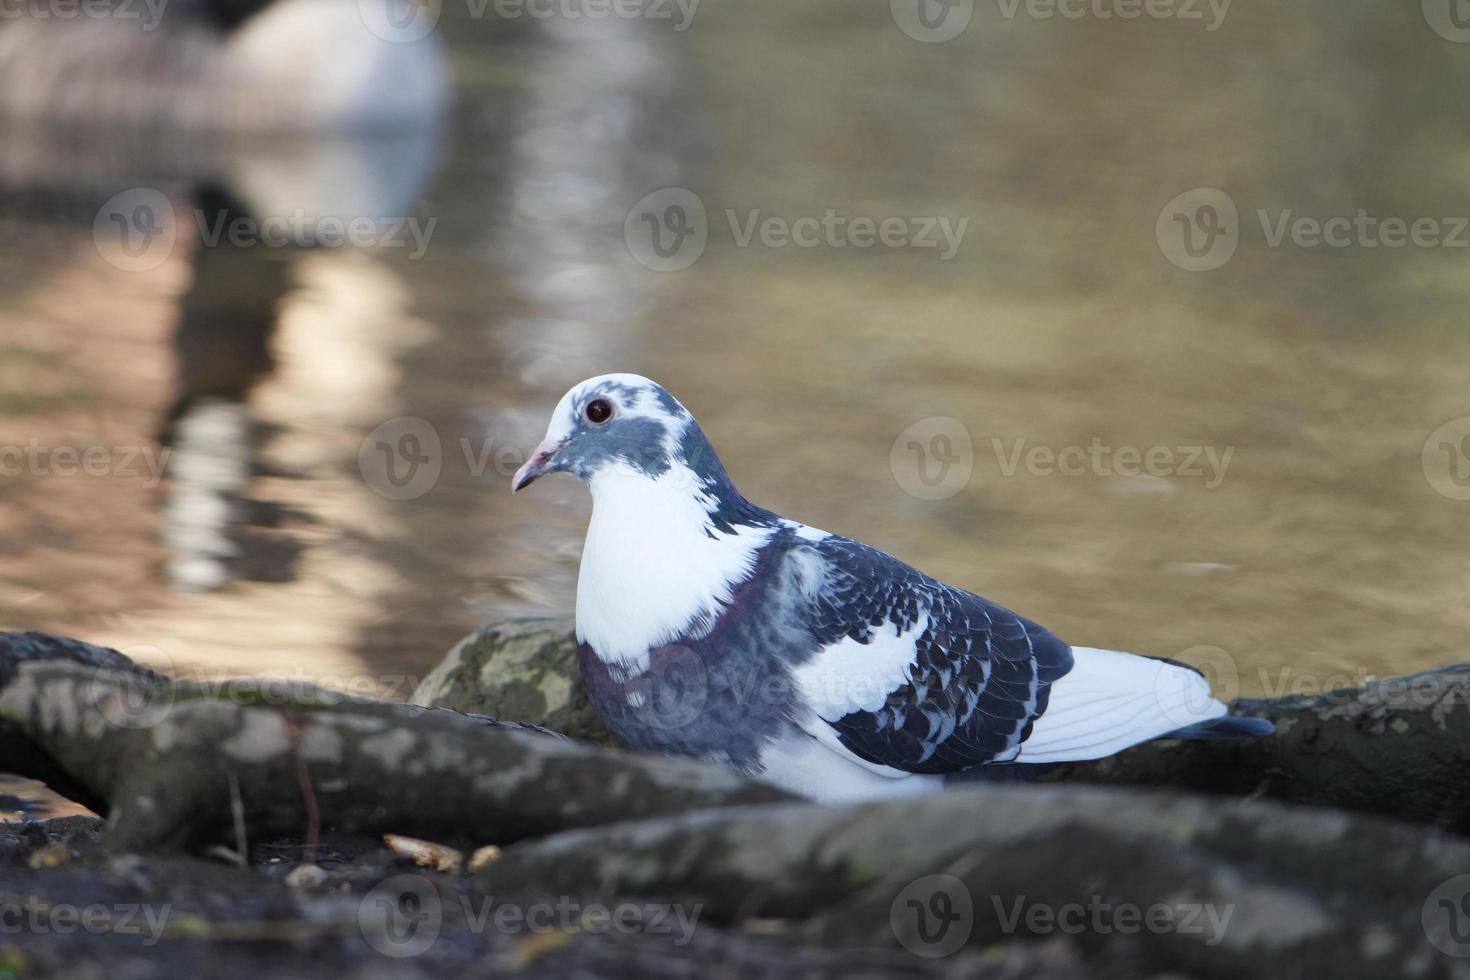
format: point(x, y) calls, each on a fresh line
point(1256, 466)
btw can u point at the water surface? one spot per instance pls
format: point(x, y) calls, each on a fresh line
point(1320, 553)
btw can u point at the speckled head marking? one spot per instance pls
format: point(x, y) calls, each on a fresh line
point(670, 536)
point(621, 426)
point(613, 419)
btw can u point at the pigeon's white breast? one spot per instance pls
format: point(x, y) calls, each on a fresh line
point(650, 571)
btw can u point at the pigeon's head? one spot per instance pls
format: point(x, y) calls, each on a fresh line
point(618, 424)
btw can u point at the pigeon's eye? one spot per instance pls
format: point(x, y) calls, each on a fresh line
point(598, 410)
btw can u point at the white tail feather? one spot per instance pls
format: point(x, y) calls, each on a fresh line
point(1110, 701)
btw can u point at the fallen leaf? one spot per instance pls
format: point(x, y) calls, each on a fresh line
point(425, 854)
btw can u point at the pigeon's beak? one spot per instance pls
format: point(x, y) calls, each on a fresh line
point(542, 461)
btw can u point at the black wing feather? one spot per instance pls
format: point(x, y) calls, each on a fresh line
point(981, 674)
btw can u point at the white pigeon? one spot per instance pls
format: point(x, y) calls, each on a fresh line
point(713, 628)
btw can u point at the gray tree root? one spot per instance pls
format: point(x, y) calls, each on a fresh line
point(185, 917)
point(19, 754)
point(1399, 747)
point(1234, 888)
point(176, 764)
point(990, 880)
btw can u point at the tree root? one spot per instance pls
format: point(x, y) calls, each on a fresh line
point(166, 761)
point(1040, 880)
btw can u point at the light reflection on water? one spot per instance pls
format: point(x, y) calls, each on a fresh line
point(1323, 552)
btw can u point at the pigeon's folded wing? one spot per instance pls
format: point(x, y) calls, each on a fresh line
point(912, 675)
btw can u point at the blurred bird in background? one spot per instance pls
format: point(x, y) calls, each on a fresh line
point(172, 120)
point(224, 65)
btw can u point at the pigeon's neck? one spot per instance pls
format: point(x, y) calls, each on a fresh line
point(663, 555)
point(728, 509)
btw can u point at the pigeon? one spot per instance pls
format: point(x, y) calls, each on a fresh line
point(712, 628)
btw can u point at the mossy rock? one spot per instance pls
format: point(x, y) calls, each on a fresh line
point(523, 670)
